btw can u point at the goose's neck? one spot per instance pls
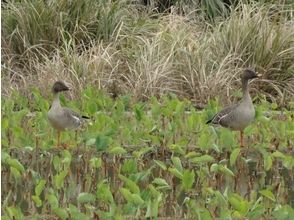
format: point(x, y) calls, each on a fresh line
point(56, 101)
point(245, 89)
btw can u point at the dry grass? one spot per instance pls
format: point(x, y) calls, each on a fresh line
point(146, 55)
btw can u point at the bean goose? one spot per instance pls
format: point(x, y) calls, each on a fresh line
point(62, 118)
point(238, 116)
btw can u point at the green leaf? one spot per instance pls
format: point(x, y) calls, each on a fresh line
point(239, 204)
point(214, 167)
point(138, 112)
point(188, 179)
point(40, 187)
point(59, 179)
point(86, 197)
point(234, 156)
point(16, 174)
point(202, 159)
point(103, 192)
point(16, 164)
point(101, 142)
point(256, 212)
point(130, 184)
point(288, 162)
point(61, 213)
point(152, 209)
point(161, 182)
point(284, 212)
point(226, 170)
point(96, 162)
point(278, 154)
point(268, 194)
point(117, 150)
point(177, 163)
point(37, 201)
point(137, 200)
point(175, 172)
point(15, 213)
point(191, 154)
point(129, 166)
point(142, 151)
point(267, 161)
point(126, 194)
point(160, 164)
point(91, 107)
point(52, 200)
point(75, 214)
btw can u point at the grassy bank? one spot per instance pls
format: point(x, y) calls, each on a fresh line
point(125, 47)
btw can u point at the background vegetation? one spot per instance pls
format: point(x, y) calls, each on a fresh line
point(196, 49)
point(138, 69)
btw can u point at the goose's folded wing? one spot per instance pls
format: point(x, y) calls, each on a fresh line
point(223, 117)
point(73, 117)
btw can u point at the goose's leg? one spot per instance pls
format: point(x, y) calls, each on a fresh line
point(58, 138)
point(76, 136)
point(241, 139)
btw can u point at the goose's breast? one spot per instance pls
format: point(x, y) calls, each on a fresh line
point(56, 119)
point(244, 115)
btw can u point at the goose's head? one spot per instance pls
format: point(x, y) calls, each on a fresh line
point(249, 74)
point(60, 86)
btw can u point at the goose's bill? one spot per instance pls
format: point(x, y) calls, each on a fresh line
point(259, 75)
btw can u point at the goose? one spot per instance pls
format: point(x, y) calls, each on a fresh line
point(238, 116)
point(62, 118)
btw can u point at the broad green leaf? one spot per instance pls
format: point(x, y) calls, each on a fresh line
point(126, 194)
point(267, 161)
point(202, 159)
point(284, 212)
point(175, 172)
point(96, 162)
point(278, 154)
point(239, 204)
point(15, 213)
point(154, 192)
point(61, 213)
point(52, 200)
point(56, 163)
point(234, 156)
point(152, 209)
point(160, 164)
point(136, 199)
point(16, 164)
point(75, 214)
point(130, 184)
point(177, 163)
point(101, 142)
point(59, 179)
point(85, 197)
point(268, 194)
point(91, 107)
point(129, 166)
point(161, 182)
point(103, 192)
point(257, 211)
point(40, 187)
point(37, 201)
point(117, 150)
point(142, 151)
point(188, 179)
point(191, 154)
point(288, 162)
point(214, 167)
point(16, 174)
point(226, 170)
